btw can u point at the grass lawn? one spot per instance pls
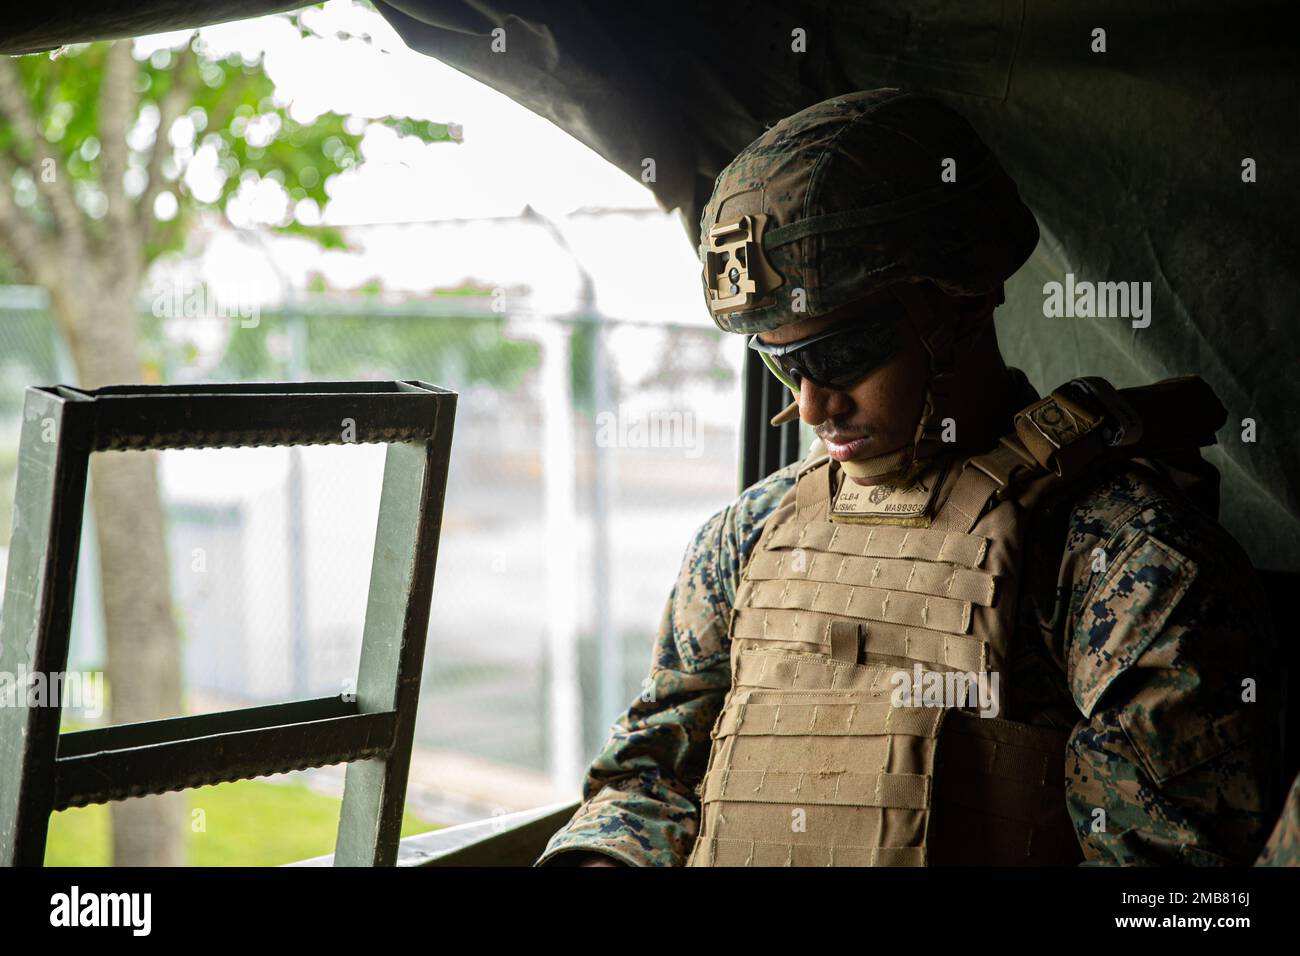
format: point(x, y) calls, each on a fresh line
point(246, 823)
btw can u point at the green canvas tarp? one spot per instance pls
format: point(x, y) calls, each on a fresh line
point(1132, 158)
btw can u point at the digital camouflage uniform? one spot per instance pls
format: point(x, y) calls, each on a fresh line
point(1172, 761)
point(1283, 847)
point(1180, 765)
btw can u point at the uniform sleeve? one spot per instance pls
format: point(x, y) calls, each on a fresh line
point(1283, 847)
point(639, 803)
point(1168, 657)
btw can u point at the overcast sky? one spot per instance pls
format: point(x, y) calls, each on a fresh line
point(643, 267)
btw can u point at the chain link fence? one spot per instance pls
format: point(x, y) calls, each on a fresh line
point(571, 498)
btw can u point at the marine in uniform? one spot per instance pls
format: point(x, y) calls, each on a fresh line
point(974, 625)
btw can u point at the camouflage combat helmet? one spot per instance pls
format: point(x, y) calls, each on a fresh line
point(871, 191)
point(846, 198)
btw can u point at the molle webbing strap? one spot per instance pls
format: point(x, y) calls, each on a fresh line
point(774, 713)
point(718, 852)
point(982, 479)
point(942, 651)
point(1006, 471)
point(904, 791)
point(815, 491)
point(857, 771)
point(883, 541)
point(895, 574)
point(864, 603)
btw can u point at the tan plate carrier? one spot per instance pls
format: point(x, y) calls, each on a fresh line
point(812, 762)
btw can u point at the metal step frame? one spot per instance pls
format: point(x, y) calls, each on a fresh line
point(42, 771)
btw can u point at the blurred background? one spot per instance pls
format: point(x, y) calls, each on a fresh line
point(312, 201)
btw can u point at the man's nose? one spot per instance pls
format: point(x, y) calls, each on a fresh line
point(817, 404)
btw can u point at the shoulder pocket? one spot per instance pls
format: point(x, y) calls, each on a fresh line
point(1123, 614)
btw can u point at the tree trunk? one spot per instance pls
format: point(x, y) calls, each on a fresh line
point(143, 666)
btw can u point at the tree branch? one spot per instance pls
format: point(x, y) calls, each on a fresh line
point(173, 104)
point(14, 105)
point(117, 99)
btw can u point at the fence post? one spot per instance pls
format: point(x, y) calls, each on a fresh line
point(560, 545)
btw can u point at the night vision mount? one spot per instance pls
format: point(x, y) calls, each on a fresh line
point(737, 274)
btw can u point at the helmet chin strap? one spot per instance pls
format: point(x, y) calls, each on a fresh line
point(937, 327)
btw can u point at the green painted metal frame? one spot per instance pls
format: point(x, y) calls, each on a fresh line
point(42, 771)
point(512, 839)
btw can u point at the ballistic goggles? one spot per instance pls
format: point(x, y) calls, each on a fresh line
point(838, 357)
